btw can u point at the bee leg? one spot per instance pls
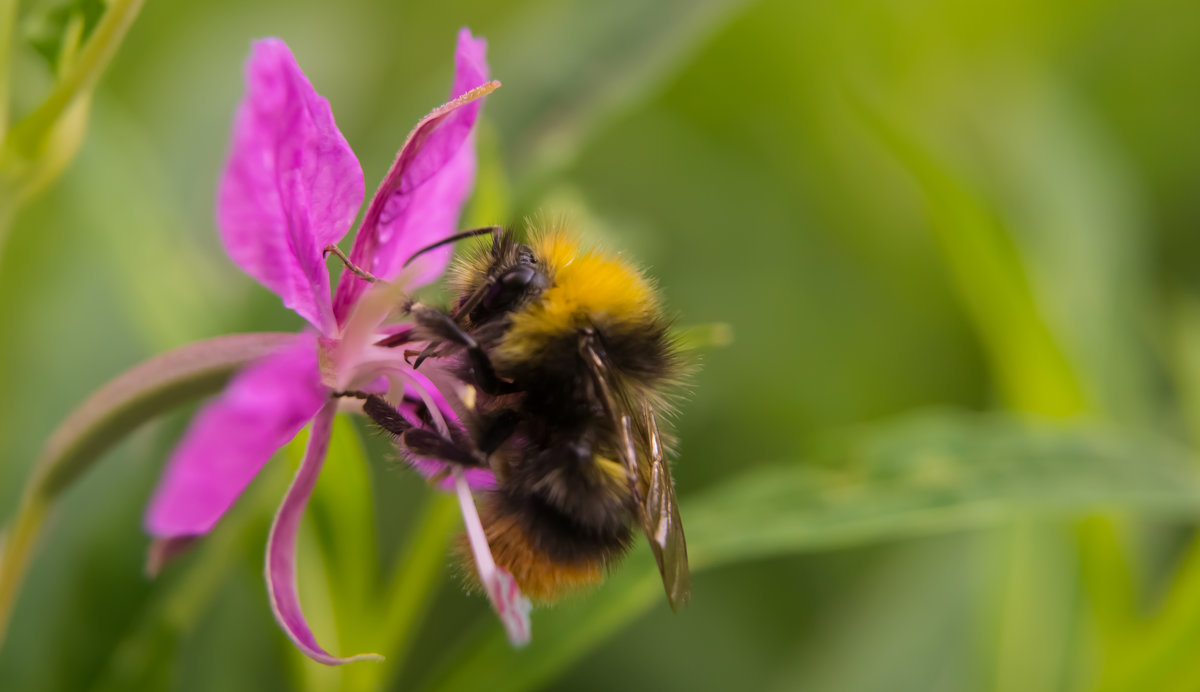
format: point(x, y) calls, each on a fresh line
point(426, 443)
point(496, 430)
point(350, 266)
point(481, 366)
point(379, 410)
point(419, 441)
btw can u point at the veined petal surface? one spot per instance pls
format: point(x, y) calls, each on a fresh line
point(280, 570)
point(291, 187)
point(420, 199)
point(228, 442)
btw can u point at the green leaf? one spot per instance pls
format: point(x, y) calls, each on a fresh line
point(930, 474)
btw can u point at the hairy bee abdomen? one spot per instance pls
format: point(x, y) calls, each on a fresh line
point(548, 553)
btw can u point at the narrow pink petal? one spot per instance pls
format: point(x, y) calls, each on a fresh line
point(422, 195)
point(420, 386)
point(233, 436)
point(292, 185)
point(509, 603)
point(281, 545)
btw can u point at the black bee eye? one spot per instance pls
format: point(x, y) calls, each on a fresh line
point(518, 278)
point(511, 286)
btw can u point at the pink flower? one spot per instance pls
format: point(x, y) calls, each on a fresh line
point(292, 187)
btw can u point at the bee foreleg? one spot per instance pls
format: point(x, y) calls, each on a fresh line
point(379, 410)
point(425, 443)
point(445, 327)
point(496, 430)
point(350, 266)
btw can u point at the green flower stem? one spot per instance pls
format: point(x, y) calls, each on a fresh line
point(79, 78)
point(16, 549)
point(118, 408)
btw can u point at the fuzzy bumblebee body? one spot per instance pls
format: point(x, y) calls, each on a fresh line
point(570, 353)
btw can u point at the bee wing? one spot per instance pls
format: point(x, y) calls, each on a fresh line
point(654, 492)
point(649, 480)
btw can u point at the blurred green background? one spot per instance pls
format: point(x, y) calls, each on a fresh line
point(949, 447)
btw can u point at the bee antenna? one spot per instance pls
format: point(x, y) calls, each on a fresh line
point(494, 231)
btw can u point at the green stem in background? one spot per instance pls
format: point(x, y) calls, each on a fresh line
point(145, 655)
point(79, 78)
point(1161, 652)
point(16, 547)
point(8, 198)
point(1030, 367)
point(409, 594)
point(8, 18)
point(8, 213)
point(115, 410)
point(1034, 374)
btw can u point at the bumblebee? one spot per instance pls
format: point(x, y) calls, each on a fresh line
point(569, 356)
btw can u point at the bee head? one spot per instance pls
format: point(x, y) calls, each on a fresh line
point(513, 278)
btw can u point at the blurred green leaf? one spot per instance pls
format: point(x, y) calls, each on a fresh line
point(701, 336)
point(606, 56)
point(51, 34)
point(146, 239)
point(129, 400)
point(930, 474)
point(1077, 215)
point(406, 598)
point(1030, 368)
point(78, 79)
point(146, 657)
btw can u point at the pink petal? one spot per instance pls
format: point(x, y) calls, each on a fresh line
point(229, 441)
point(165, 550)
point(281, 545)
point(420, 386)
point(291, 186)
point(507, 600)
point(422, 195)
